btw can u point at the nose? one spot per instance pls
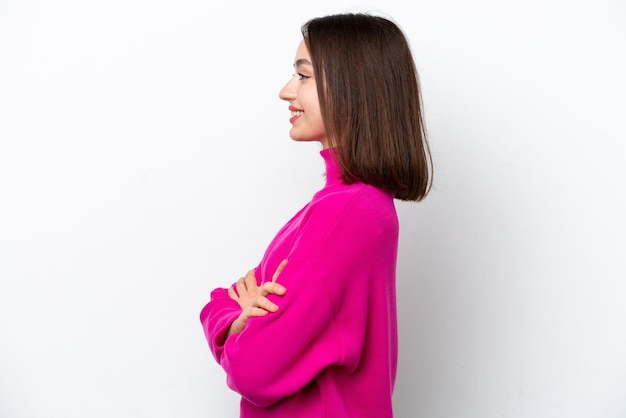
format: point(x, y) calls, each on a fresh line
point(288, 93)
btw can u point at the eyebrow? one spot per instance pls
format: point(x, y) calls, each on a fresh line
point(302, 61)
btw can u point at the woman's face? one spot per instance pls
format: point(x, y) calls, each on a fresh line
point(301, 93)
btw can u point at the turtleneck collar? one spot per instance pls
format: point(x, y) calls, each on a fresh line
point(333, 170)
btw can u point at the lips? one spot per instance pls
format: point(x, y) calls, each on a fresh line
point(295, 113)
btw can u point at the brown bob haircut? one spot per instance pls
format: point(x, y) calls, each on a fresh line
point(371, 102)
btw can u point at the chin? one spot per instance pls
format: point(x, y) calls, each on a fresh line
point(300, 138)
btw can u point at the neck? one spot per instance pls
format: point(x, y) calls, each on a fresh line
point(333, 169)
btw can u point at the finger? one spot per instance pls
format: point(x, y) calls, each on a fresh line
point(255, 311)
point(273, 288)
point(233, 295)
point(280, 268)
point(240, 286)
point(266, 304)
point(250, 280)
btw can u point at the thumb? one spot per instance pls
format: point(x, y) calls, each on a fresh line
point(280, 268)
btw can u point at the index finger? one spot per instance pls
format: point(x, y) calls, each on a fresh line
point(273, 289)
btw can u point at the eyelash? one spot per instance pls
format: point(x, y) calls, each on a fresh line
point(302, 76)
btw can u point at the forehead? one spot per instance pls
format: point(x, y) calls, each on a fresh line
point(303, 57)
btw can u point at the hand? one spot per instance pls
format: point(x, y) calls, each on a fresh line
point(253, 298)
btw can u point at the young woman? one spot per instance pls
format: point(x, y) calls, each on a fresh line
point(312, 331)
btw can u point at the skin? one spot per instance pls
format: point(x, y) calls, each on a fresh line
point(253, 298)
point(307, 125)
point(301, 94)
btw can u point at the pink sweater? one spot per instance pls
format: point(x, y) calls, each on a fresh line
point(331, 348)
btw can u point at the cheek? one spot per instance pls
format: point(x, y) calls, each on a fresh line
point(313, 104)
point(318, 121)
point(308, 95)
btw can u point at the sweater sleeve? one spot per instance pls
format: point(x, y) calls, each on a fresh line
point(320, 322)
point(278, 354)
point(216, 318)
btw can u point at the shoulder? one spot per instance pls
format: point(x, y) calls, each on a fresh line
point(355, 206)
point(349, 222)
point(357, 197)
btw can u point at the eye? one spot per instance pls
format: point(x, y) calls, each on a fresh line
point(302, 76)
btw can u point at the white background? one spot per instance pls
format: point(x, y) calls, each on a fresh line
point(145, 159)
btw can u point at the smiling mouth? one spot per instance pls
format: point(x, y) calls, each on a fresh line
point(296, 113)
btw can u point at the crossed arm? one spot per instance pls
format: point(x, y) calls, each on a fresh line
point(253, 298)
